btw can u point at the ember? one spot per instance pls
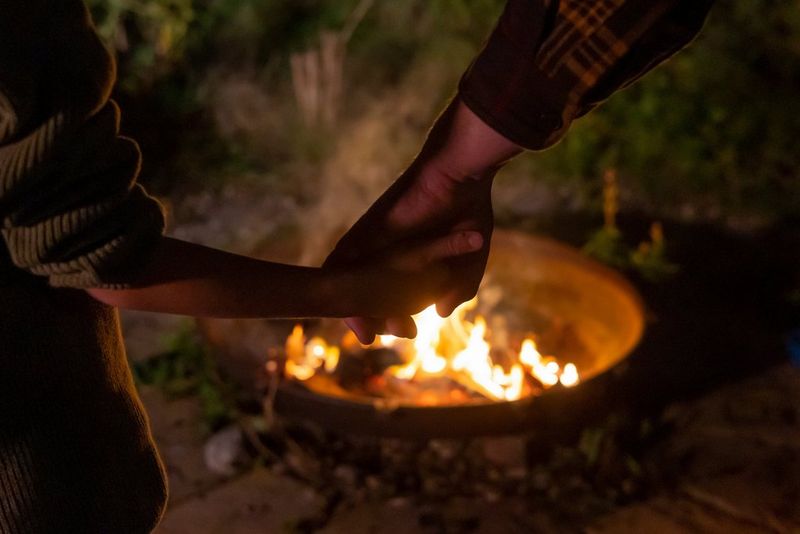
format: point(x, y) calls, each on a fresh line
point(452, 360)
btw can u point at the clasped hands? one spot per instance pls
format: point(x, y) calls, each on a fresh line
point(433, 226)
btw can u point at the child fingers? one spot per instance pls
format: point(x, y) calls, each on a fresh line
point(365, 328)
point(448, 303)
point(401, 327)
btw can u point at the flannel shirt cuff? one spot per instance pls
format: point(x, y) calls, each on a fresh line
point(490, 88)
point(506, 89)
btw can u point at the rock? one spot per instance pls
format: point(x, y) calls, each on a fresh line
point(517, 473)
point(433, 486)
point(444, 449)
point(224, 452)
point(507, 452)
point(346, 474)
point(373, 484)
point(255, 502)
point(492, 496)
point(541, 480)
point(399, 502)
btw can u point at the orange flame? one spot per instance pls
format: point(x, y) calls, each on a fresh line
point(453, 347)
point(303, 359)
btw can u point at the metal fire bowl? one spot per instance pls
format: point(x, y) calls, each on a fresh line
point(547, 283)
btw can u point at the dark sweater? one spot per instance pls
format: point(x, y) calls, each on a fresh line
point(76, 454)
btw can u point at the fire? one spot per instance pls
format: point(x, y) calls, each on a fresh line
point(305, 358)
point(454, 348)
point(569, 377)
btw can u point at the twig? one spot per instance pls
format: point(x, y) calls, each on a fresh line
point(355, 18)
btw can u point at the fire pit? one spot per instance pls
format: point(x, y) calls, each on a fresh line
point(546, 320)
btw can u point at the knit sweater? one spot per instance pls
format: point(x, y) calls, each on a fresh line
point(76, 454)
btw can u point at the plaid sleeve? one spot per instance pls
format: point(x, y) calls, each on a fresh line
point(549, 61)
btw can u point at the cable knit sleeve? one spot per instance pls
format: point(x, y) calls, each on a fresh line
point(70, 207)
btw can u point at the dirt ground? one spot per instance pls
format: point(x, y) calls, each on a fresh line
point(733, 458)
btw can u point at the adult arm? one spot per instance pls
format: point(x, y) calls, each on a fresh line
point(446, 189)
point(545, 64)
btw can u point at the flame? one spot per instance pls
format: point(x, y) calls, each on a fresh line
point(545, 369)
point(451, 347)
point(569, 377)
point(429, 326)
point(387, 340)
point(299, 371)
point(303, 359)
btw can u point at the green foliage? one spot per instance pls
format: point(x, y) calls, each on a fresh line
point(606, 245)
point(187, 368)
point(649, 259)
point(715, 126)
point(612, 456)
point(590, 443)
point(150, 32)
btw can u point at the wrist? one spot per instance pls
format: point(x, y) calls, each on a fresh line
point(336, 293)
point(461, 146)
point(325, 293)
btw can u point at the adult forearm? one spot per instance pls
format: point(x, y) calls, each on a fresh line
point(188, 279)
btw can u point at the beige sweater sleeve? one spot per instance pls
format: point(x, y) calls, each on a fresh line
point(70, 207)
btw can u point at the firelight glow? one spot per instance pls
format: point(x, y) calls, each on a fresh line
point(452, 347)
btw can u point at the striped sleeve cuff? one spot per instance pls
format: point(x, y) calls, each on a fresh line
point(73, 210)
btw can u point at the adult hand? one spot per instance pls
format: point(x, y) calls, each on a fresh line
point(403, 281)
point(445, 190)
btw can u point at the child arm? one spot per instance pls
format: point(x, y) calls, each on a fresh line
point(190, 279)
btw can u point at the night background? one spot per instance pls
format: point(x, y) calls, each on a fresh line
point(253, 151)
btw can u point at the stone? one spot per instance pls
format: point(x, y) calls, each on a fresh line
point(346, 475)
point(224, 452)
point(505, 452)
point(256, 502)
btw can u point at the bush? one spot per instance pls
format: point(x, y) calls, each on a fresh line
point(714, 128)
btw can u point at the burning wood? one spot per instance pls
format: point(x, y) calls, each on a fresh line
point(453, 360)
